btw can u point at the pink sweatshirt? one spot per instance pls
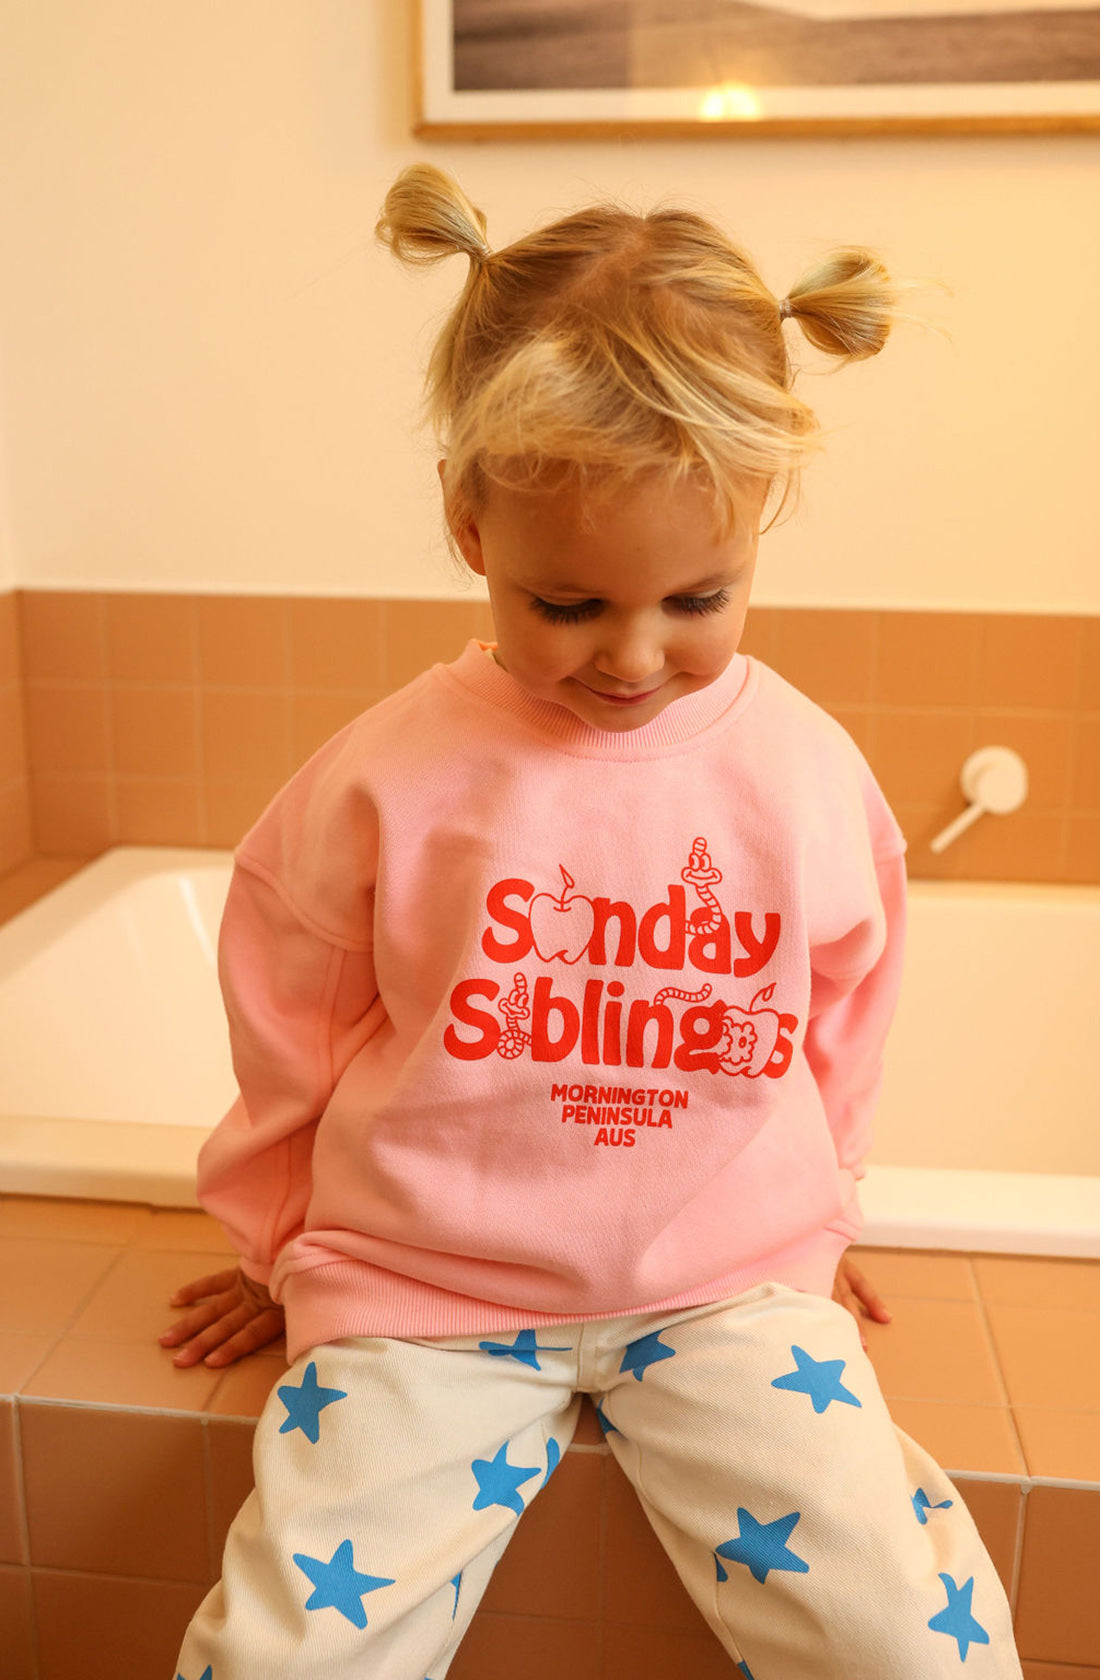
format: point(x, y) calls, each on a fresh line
point(535, 1022)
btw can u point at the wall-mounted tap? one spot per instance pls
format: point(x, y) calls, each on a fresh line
point(993, 779)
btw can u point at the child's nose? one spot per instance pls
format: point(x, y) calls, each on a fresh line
point(630, 657)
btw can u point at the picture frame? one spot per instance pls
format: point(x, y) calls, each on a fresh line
point(522, 69)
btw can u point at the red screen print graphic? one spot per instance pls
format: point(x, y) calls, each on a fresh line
point(713, 1035)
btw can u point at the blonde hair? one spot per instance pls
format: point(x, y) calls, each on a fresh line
point(611, 343)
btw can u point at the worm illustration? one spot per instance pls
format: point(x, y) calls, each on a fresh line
point(687, 997)
point(515, 1008)
point(702, 875)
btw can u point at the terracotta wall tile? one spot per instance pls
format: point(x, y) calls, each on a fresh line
point(337, 644)
point(917, 692)
point(1065, 1445)
point(159, 811)
point(154, 732)
point(830, 655)
point(61, 1219)
point(1050, 1355)
point(244, 641)
point(229, 1478)
point(552, 1564)
point(63, 635)
point(122, 1373)
point(66, 728)
point(928, 659)
point(44, 1284)
point(962, 1438)
point(1057, 1605)
point(1031, 660)
point(550, 1649)
point(245, 732)
point(21, 1353)
point(98, 1627)
point(246, 1387)
point(115, 1492)
point(1027, 1280)
point(13, 742)
point(934, 1350)
point(12, 1546)
point(151, 638)
point(10, 653)
point(997, 1509)
point(15, 1619)
point(631, 1652)
point(1058, 1671)
point(938, 1277)
point(640, 1584)
point(74, 816)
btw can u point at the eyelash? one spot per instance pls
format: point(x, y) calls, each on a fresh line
point(693, 605)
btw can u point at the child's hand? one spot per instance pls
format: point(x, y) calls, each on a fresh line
point(235, 1316)
point(855, 1292)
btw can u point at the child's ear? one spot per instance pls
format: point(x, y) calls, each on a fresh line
point(463, 528)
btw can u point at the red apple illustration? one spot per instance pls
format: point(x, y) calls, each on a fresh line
point(561, 927)
point(749, 1036)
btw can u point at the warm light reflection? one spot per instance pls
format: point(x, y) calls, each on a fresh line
point(732, 99)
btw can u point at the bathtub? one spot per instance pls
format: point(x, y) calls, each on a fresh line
point(114, 1054)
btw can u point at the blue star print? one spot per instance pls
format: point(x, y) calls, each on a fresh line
point(338, 1585)
point(762, 1546)
point(646, 1351)
point(743, 1668)
point(956, 1619)
point(524, 1349)
point(207, 1674)
point(605, 1422)
point(498, 1481)
point(922, 1503)
point(305, 1404)
point(819, 1378)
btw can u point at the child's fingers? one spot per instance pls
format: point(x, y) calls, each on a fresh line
point(267, 1328)
point(215, 1284)
point(212, 1335)
point(194, 1322)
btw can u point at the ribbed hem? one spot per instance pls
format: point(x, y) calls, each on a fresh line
point(681, 720)
point(354, 1298)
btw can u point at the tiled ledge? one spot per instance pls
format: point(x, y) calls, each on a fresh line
point(119, 1474)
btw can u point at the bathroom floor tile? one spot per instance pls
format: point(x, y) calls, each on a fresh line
point(908, 1271)
point(20, 1355)
point(1064, 1444)
point(43, 1284)
point(962, 1438)
point(934, 1350)
point(57, 1218)
point(132, 1303)
point(244, 1387)
point(185, 1230)
point(1028, 1281)
point(1050, 1356)
point(105, 1373)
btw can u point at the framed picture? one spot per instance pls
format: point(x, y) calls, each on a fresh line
point(591, 68)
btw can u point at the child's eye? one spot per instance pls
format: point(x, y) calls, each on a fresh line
point(555, 614)
point(702, 603)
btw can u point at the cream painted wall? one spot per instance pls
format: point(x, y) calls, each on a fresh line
point(211, 372)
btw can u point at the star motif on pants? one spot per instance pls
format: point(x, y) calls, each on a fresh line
point(305, 1404)
point(819, 1378)
point(604, 1421)
point(922, 1504)
point(743, 1668)
point(956, 1619)
point(338, 1585)
point(762, 1546)
point(643, 1353)
point(207, 1674)
point(498, 1481)
point(525, 1349)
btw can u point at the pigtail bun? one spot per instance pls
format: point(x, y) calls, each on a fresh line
point(845, 304)
point(427, 216)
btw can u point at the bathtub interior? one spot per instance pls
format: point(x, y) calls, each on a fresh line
point(114, 1053)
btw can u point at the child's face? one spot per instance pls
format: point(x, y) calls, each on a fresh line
point(617, 615)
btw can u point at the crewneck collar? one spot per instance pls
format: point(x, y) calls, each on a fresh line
point(681, 720)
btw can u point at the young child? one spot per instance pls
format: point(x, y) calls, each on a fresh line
point(557, 985)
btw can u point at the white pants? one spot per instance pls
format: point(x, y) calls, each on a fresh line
point(817, 1539)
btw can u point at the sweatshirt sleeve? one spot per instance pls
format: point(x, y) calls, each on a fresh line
point(854, 991)
point(300, 1003)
